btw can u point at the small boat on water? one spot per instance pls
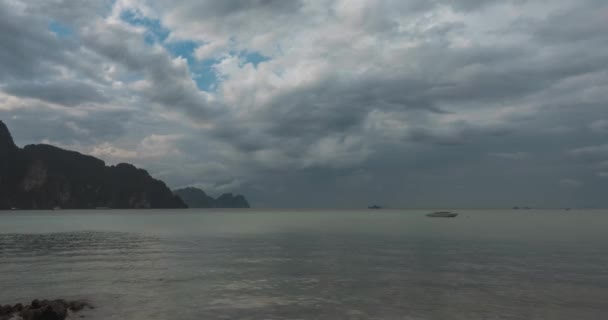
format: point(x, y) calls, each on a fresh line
point(442, 214)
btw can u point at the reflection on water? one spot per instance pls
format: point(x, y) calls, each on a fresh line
point(305, 273)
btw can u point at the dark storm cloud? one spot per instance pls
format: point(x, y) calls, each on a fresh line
point(573, 26)
point(405, 103)
point(65, 129)
point(341, 106)
point(474, 79)
point(230, 7)
point(73, 13)
point(473, 5)
point(233, 8)
point(28, 49)
point(169, 81)
point(67, 93)
point(33, 59)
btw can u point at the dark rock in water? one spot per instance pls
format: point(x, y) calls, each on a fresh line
point(35, 304)
point(197, 198)
point(46, 177)
point(78, 305)
point(6, 311)
point(43, 310)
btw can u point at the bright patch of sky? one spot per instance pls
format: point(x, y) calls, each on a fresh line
point(156, 33)
point(60, 29)
point(203, 71)
point(184, 49)
point(205, 75)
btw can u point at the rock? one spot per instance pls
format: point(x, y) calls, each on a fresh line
point(43, 309)
point(52, 311)
point(197, 198)
point(79, 305)
point(35, 304)
point(6, 310)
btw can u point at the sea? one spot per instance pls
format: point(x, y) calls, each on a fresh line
point(310, 264)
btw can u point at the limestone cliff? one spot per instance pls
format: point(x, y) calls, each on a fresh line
point(197, 198)
point(44, 177)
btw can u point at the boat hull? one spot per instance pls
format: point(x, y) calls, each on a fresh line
point(442, 215)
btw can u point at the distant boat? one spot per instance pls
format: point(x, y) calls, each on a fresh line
point(374, 207)
point(56, 208)
point(442, 214)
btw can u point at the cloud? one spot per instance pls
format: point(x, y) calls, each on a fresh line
point(168, 83)
point(599, 126)
point(150, 147)
point(155, 146)
point(106, 150)
point(510, 155)
point(602, 165)
point(404, 101)
point(67, 93)
point(599, 150)
point(571, 183)
point(211, 50)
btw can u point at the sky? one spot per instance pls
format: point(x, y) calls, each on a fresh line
point(323, 103)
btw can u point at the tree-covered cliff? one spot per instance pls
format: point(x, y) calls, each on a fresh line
point(44, 177)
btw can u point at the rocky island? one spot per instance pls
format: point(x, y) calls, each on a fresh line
point(45, 177)
point(197, 198)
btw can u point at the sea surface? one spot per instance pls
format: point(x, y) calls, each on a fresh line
point(310, 264)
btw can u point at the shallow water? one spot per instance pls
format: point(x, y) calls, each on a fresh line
point(298, 264)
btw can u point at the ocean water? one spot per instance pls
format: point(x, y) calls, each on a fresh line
point(310, 264)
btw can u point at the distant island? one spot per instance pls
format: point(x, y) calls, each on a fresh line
point(46, 177)
point(197, 198)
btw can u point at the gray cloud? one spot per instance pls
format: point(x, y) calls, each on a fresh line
point(599, 126)
point(68, 93)
point(407, 103)
point(168, 81)
point(599, 150)
point(570, 183)
point(510, 155)
point(29, 49)
point(63, 128)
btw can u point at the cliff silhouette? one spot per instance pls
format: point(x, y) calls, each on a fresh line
point(45, 177)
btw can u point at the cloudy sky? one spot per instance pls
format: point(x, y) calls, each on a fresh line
point(323, 103)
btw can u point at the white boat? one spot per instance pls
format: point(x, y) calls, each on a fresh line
point(442, 214)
